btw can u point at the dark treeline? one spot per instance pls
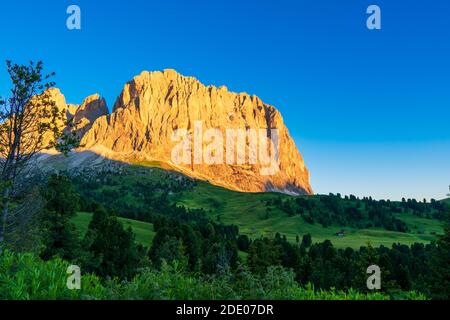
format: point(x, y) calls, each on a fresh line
point(359, 213)
point(139, 200)
point(183, 235)
point(200, 245)
point(203, 246)
point(403, 268)
point(107, 249)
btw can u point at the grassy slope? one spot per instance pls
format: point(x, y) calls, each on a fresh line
point(247, 211)
point(143, 230)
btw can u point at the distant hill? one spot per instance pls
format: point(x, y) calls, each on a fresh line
point(140, 189)
point(143, 230)
point(248, 212)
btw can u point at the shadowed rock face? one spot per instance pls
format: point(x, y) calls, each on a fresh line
point(90, 110)
point(155, 104)
point(82, 116)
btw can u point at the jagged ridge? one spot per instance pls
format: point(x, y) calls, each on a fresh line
point(154, 104)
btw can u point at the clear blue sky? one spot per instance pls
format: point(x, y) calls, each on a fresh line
point(369, 110)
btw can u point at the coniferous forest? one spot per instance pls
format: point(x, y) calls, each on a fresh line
point(191, 256)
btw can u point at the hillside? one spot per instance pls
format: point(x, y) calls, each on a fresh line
point(139, 189)
point(246, 210)
point(125, 163)
point(143, 231)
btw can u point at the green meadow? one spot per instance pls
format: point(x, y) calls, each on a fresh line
point(143, 230)
point(248, 212)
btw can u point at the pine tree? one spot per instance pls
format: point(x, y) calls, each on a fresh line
point(439, 282)
point(110, 249)
point(60, 234)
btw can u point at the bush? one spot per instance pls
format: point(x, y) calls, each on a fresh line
point(26, 277)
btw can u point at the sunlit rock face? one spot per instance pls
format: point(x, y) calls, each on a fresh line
point(153, 110)
point(81, 117)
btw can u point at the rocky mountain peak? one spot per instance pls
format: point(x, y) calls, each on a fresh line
point(92, 108)
point(154, 106)
point(82, 116)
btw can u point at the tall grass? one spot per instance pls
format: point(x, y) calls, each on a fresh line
point(26, 277)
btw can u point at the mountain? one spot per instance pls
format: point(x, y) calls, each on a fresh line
point(81, 116)
point(229, 139)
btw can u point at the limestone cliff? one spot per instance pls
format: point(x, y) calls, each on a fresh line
point(154, 105)
point(80, 117)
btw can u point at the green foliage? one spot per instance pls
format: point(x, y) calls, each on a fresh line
point(61, 196)
point(207, 246)
point(353, 212)
point(440, 267)
point(248, 211)
point(25, 277)
point(166, 248)
point(142, 193)
point(403, 268)
point(193, 250)
point(135, 193)
point(24, 232)
point(195, 242)
point(307, 240)
point(109, 249)
point(262, 254)
point(243, 242)
point(60, 234)
point(143, 230)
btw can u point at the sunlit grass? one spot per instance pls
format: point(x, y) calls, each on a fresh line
point(143, 230)
point(248, 212)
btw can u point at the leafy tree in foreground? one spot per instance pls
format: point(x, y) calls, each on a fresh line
point(30, 122)
point(24, 232)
